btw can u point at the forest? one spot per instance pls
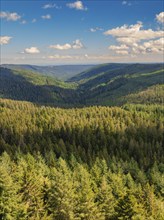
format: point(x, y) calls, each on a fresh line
point(104, 85)
point(96, 162)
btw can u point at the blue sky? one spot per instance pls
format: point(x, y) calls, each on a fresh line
point(81, 32)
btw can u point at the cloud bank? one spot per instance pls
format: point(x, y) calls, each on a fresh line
point(133, 39)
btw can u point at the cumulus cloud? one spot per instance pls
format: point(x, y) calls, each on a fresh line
point(127, 40)
point(133, 32)
point(160, 17)
point(47, 6)
point(10, 16)
point(77, 44)
point(31, 50)
point(153, 46)
point(78, 5)
point(46, 17)
point(61, 47)
point(96, 29)
point(121, 49)
point(134, 39)
point(4, 40)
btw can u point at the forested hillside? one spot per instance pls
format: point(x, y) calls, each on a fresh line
point(99, 162)
point(30, 86)
point(62, 72)
point(87, 163)
point(107, 85)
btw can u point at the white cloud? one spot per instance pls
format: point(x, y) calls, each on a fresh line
point(133, 33)
point(4, 40)
point(96, 29)
point(78, 5)
point(61, 47)
point(46, 17)
point(160, 17)
point(47, 6)
point(158, 44)
point(127, 40)
point(31, 50)
point(10, 16)
point(77, 44)
point(121, 47)
point(134, 39)
point(33, 20)
point(153, 46)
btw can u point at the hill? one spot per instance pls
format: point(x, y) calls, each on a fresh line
point(63, 72)
point(107, 84)
point(31, 86)
point(110, 84)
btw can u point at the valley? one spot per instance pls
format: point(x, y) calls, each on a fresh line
point(107, 84)
point(81, 110)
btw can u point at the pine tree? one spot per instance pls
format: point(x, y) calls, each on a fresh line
point(62, 195)
point(86, 208)
point(105, 199)
point(125, 208)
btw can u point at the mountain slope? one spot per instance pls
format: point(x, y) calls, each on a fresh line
point(62, 72)
point(117, 81)
point(108, 84)
point(29, 86)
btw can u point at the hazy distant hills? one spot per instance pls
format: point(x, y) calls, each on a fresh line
point(107, 84)
point(62, 72)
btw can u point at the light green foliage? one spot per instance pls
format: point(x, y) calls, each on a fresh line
point(81, 164)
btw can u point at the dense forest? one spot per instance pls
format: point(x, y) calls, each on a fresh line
point(106, 84)
point(81, 163)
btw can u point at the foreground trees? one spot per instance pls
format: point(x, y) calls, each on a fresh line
point(92, 163)
point(29, 189)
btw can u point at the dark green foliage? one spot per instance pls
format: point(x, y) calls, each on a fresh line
point(107, 84)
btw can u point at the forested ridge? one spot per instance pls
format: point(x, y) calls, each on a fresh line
point(107, 85)
point(81, 163)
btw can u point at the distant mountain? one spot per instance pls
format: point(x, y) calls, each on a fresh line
point(63, 72)
point(108, 84)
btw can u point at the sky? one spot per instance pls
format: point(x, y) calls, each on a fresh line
point(81, 32)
